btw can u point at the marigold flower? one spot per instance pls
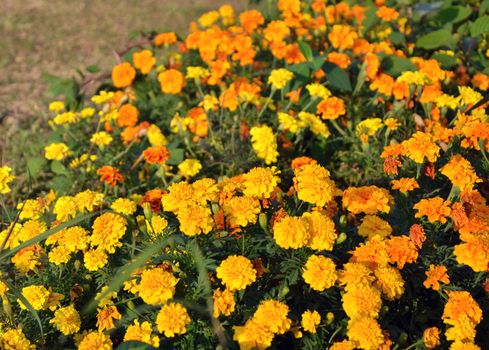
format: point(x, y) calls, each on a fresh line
point(250, 20)
point(165, 38)
point(172, 320)
point(224, 302)
point(401, 250)
point(95, 340)
point(355, 274)
point(460, 172)
point(110, 175)
point(310, 320)
point(280, 77)
point(435, 275)
point(365, 332)
point(144, 61)
point(417, 235)
point(157, 286)
point(142, 333)
point(5, 178)
point(272, 314)
point(236, 272)
point(264, 143)
point(342, 37)
point(253, 335)
point(463, 313)
point(15, 339)
point(127, 115)
point(101, 139)
point(323, 232)
point(95, 259)
point(108, 229)
point(331, 108)
point(419, 147)
point(189, 167)
point(260, 182)
point(362, 301)
point(156, 155)
point(242, 210)
point(171, 81)
point(124, 206)
point(436, 209)
point(389, 281)
point(106, 316)
point(195, 219)
point(314, 185)
point(431, 337)
point(405, 184)
point(123, 75)
point(56, 151)
point(374, 227)
point(36, 295)
point(292, 232)
point(67, 320)
point(319, 272)
point(366, 199)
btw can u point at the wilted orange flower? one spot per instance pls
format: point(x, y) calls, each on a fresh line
point(436, 209)
point(171, 81)
point(405, 184)
point(331, 108)
point(128, 115)
point(123, 75)
point(110, 175)
point(144, 61)
point(366, 199)
point(435, 275)
point(165, 38)
point(156, 155)
point(417, 235)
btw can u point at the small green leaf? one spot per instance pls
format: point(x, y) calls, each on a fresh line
point(58, 168)
point(35, 165)
point(453, 14)
point(306, 50)
point(93, 69)
point(337, 77)
point(176, 156)
point(446, 61)
point(394, 65)
point(433, 40)
point(479, 26)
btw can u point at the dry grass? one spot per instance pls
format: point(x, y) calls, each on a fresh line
point(60, 36)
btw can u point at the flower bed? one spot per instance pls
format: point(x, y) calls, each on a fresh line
point(313, 176)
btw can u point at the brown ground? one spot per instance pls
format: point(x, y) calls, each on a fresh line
point(61, 36)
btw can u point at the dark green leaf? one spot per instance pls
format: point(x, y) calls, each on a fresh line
point(306, 50)
point(176, 156)
point(135, 345)
point(394, 65)
point(453, 14)
point(446, 61)
point(337, 77)
point(433, 40)
point(480, 26)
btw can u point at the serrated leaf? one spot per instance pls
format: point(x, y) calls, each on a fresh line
point(337, 77)
point(433, 40)
point(479, 26)
point(394, 65)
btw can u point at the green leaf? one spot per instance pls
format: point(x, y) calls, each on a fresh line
point(484, 7)
point(48, 233)
point(176, 156)
point(370, 19)
point(337, 77)
point(453, 14)
point(397, 38)
point(433, 40)
point(135, 345)
point(35, 165)
point(446, 61)
point(394, 65)
point(58, 168)
point(93, 69)
point(480, 26)
point(306, 50)
point(302, 70)
point(68, 88)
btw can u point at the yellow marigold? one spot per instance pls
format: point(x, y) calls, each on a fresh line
point(288, 122)
point(65, 118)
point(142, 333)
point(292, 232)
point(59, 255)
point(95, 340)
point(264, 143)
point(65, 208)
point(37, 296)
point(354, 274)
point(460, 172)
point(242, 210)
point(56, 106)
point(123, 75)
point(365, 332)
point(273, 315)
point(320, 272)
point(314, 185)
point(310, 320)
point(413, 78)
point(205, 190)
point(368, 127)
point(343, 345)
point(362, 301)
point(279, 78)
point(469, 96)
point(436, 209)
point(180, 195)
point(27, 259)
point(14, 339)
point(373, 253)
point(373, 227)
point(236, 272)
point(88, 200)
point(155, 136)
point(5, 178)
point(318, 90)
point(253, 335)
point(87, 112)
point(463, 345)
point(431, 337)
point(419, 147)
point(67, 320)
point(224, 302)
point(101, 139)
point(401, 250)
point(103, 97)
point(366, 199)
point(189, 167)
point(389, 281)
point(461, 303)
point(435, 275)
point(157, 225)
point(144, 61)
point(95, 259)
point(405, 184)
point(195, 219)
point(32, 208)
point(56, 151)
point(197, 73)
point(171, 81)
point(172, 320)
point(106, 316)
point(108, 229)
point(124, 206)
point(157, 286)
point(260, 182)
point(31, 229)
point(392, 123)
point(474, 253)
point(323, 232)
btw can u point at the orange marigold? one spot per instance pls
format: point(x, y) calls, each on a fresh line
point(171, 81)
point(405, 184)
point(435, 275)
point(460, 172)
point(366, 199)
point(128, 115)
point(123, 75)
point(331, 108)
point(436, 209)
point(401, 250)
point(110, 175)
point(156, 155)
